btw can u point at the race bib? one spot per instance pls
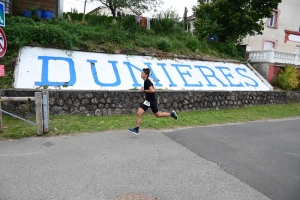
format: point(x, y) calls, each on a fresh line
point(147, 103)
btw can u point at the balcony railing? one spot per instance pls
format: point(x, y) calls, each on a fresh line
point(273, 56)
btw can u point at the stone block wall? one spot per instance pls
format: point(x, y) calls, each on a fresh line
point(103, 103)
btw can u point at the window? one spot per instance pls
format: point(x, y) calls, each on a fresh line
point(269, 44)
point(273, 20)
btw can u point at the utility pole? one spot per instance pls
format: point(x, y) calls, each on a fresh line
point(184, 24)
point(84, 9)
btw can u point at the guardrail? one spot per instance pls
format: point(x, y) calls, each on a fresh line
point(41, 100)
point(273, 56)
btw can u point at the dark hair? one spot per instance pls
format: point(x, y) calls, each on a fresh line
point(146, 71)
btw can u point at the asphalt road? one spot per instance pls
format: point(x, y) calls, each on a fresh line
point(265, 155)
point(258, 160)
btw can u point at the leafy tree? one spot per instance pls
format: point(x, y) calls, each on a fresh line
point(137, 6)
point(232, 19)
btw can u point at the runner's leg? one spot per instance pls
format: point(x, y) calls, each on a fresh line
point(154, 108)
point(139, 114)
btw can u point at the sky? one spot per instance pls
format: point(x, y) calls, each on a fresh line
point(175, 4)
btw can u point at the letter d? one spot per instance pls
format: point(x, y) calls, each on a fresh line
point(45, 69)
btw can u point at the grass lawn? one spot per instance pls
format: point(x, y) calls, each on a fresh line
point(59, 125)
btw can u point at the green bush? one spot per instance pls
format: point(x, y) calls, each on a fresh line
point(203, 46)
point(192, 43)
point(179, 45)
point(229, 48)
point(275, 82)
point(130, 24)
point(288, 78)
point(144, 41)
point(164, 44)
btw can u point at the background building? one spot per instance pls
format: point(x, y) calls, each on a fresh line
point(280, 42)
point(103, 10)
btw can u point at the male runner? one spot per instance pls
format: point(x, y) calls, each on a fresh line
point(150, 101)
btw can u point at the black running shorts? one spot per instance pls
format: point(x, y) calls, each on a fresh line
point(153, 106)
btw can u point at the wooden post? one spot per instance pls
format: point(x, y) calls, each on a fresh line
point(46, 111)
point(39, 113)
point(1, 123)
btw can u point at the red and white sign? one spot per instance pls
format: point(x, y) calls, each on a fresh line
point(3, 43)
point(2, 70)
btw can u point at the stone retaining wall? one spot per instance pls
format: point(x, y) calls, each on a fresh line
point(102, 103)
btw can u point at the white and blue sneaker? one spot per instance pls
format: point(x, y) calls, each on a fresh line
point(174, 115)
point(134, 130)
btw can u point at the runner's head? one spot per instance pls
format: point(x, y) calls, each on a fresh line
point(146, 71)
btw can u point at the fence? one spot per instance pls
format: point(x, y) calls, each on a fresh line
point(273, 56)
point(41, 110)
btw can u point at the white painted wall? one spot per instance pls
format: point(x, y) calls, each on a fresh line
point(57, 69)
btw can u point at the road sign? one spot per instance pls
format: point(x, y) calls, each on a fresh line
point(2, 70)
point(2, 14)
point(3, 43)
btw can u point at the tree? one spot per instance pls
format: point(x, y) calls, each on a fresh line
point(232, 19)
point(137, 6)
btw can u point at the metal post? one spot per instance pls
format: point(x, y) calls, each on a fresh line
point(46, 111)
point(39, 113)
point(1, 123)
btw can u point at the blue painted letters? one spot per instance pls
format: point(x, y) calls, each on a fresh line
point(45, 66)
point(129, 65)
point(94, 72)
point(213, 75)
point(186, 73)
point(244, 70)
point(163, 65)
point(229, 75)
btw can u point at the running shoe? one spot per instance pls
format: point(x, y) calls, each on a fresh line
point(134, 130)
point(174, 115)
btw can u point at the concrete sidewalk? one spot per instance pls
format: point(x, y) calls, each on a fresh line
point(108, 165)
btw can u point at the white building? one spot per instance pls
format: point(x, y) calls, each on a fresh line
point(280, 42)
point(103, 10)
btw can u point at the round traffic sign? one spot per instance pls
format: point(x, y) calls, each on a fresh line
point(3, 43)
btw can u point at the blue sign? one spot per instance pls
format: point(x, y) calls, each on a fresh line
point(2, 15)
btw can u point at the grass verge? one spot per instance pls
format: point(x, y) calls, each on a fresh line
point(59, 125)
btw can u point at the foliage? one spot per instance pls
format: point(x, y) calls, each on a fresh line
point(192, 43)
point(275, 82)
point(288, 78)
point(229, 48)
point(137, 6)
point(164, 44)
point(230, 19)
point(143, 40)
point(166, 22)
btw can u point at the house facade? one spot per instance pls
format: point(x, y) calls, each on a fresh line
point(279, 44)
point(190, 21)
point(103, 10)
